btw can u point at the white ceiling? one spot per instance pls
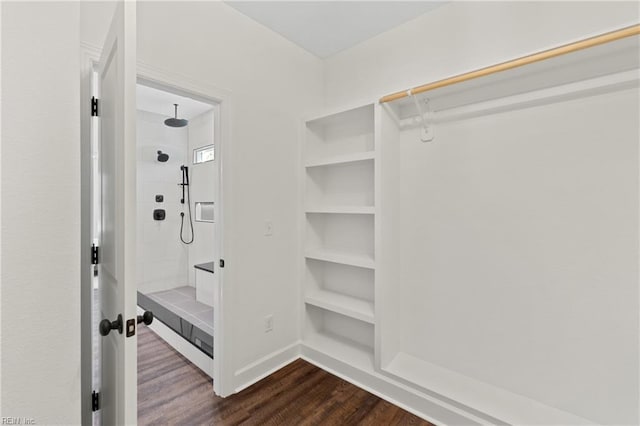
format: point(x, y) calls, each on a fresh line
point(159, 102)
point(327, 27)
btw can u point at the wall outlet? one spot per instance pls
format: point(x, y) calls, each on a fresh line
point(268, 228)
point(268, 323)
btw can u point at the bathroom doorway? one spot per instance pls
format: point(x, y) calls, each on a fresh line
point(178, 195)
point(179, 224)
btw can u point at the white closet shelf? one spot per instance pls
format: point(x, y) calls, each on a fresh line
point(340, 348)
point(491, 400)
point(353, 307)
point(342, 159)
point(342, 209)
point(345, 259)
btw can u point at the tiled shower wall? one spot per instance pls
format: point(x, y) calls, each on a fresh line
point(162, 258)
point(203, 176)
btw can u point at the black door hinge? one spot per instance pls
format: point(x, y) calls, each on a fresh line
point(95, 401)
point(222, 263)
point(94, 106)
point(95, 254)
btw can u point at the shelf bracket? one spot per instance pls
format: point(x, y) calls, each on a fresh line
point(426, 133)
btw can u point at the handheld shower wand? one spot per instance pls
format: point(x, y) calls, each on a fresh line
point(185, 183)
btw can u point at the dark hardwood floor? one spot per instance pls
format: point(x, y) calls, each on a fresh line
point(172, 391)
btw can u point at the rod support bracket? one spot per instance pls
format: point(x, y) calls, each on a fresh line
point(424, 116)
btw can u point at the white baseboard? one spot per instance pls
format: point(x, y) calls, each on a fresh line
point(495, 405)
point(185, 348)
point(423, 406)
point(408, 399)
point(266, 365)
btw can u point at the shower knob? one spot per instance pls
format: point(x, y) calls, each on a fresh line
point(106, 326)
point(146, 318)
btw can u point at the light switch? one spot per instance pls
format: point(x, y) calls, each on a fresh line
point(268, 228)
point(268, 323)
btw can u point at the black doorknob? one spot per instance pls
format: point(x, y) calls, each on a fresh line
point(146, 318)
point(106, 326)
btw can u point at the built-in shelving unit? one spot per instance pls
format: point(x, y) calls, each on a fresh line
point(339, 236)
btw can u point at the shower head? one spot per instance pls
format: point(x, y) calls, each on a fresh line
point(162, 157)
point(176, 122)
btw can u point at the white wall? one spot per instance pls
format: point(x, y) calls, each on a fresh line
point(41, 212)
point(519, 253)
point(272, 84)
point(463, 36)
point(508, 276)
point(204, 185)
point(162, 258)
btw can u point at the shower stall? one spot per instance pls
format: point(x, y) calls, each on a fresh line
point(176, 194)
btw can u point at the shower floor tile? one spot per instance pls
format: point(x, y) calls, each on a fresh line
point(187, 291)
point(192, 306)
point(206, 317)
point(172, 296)
point(182, 301)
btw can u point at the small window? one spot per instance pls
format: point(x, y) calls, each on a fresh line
point(203, 154)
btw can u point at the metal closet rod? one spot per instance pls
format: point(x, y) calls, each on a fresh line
point(524, 60)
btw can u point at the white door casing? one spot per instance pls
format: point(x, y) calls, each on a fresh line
point(223, 371)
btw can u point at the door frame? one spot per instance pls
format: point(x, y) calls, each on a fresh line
point(186, 86)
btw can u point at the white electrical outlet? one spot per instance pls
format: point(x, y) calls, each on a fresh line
point(268, 228)
point(268, 323)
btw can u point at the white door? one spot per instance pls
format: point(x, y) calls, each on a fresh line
point(116, 111)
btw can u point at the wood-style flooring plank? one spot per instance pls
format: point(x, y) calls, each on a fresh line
point(172, 391)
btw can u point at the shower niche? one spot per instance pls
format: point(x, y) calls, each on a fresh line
point(204, 211)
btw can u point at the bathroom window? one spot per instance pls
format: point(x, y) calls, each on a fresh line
point(203, 154)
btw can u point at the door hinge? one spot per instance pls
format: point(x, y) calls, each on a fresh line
point(95, 401)
point(94, 106)
point(95, 254)
point(222, 263)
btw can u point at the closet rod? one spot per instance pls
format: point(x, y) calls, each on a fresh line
point(524, 60)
